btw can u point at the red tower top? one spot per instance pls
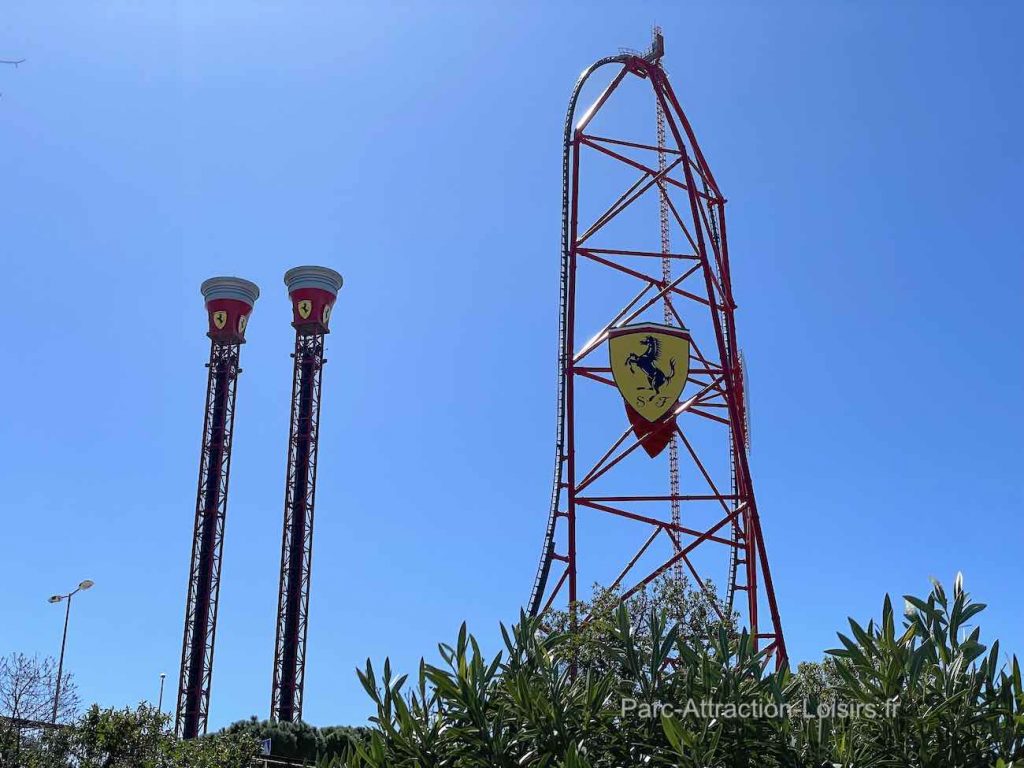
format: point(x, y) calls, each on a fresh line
point(229, 301)
point(313, 291)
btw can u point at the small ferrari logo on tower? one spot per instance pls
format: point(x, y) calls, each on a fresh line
point(650, 363)
point(220, 319)
point(305, 307)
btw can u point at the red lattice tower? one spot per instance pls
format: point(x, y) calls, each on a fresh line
point(616, 275)
point(229, 302)
point(313, 291)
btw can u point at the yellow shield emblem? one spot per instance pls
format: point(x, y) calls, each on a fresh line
point(305, 307)
point(242, 322)
point(650, 363)
point(327, 313)
point(220, 319)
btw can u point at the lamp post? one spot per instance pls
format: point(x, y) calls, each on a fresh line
point(160, 701)
point(63, 643)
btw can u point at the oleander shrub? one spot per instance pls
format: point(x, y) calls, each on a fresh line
point(917, 690)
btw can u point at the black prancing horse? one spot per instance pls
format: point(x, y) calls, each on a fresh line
point(656, 378)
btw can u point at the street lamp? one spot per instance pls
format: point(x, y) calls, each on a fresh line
point(160, 701)
point(63, 643)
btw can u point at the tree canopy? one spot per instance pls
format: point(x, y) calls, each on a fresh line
point(300, 741)
point(129, 738)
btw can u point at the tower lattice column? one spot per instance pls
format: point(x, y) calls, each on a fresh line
point(229, 302)
point(313, 291)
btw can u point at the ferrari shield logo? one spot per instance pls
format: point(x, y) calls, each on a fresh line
point(305, 307)
point(242, 322)
point(650, 363)
point(327, 313)
point(220, 319)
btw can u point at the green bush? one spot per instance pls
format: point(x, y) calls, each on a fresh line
point(130, 738)
point(925, 694)
point(300, 741)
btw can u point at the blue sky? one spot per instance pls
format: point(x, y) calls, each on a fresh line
point(871, 155)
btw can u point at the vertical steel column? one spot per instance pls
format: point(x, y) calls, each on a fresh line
point(229, 301)
point(313, 291)
point(570, 388)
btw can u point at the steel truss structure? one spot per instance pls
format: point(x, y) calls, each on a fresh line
point(207, 541)
point(718, 519)
point(297, 538)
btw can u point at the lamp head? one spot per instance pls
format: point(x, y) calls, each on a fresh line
point(86, 584)
point(56, 598)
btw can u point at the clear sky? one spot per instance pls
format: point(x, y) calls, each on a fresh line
point(872, 156)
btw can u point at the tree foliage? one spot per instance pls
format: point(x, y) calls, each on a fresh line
point(695, 611)
point(300, 741)
point(130, 738)
point(27, 688)
point(924, 694)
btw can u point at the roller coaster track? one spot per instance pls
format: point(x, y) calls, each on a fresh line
point(546, 556)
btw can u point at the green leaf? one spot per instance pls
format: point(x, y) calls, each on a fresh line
point(673, 732)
